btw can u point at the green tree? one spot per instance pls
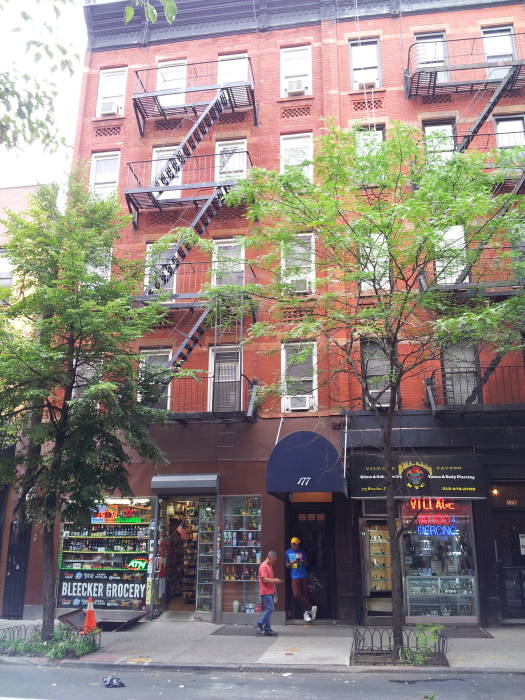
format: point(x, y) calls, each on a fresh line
point(27, 102)
point(69, 378)
point(384, 216)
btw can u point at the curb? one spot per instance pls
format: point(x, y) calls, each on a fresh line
point(254, 667)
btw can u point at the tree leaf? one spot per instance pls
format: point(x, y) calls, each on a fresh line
point(129, 13)
point(170, 10)
point(151, 13)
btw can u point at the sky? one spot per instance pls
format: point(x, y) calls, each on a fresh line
point(30, 165)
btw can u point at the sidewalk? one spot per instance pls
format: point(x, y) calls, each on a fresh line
point(189, 644)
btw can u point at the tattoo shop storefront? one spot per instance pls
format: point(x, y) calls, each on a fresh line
point(439, 567)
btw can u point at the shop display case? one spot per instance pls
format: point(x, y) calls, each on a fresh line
point(378, 562)
point(205, 555)
point(106, 559)
point(241, 554)
point(441, 595)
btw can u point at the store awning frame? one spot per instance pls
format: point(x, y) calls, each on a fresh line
point(185, 484)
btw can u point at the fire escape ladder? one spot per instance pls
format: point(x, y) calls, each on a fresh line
point(506, 84)
point(190, 341)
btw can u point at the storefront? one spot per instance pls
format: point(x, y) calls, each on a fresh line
point(438, 551)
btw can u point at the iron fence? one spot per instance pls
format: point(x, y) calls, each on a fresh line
point(373, 646)
point(476, 385)
point(206, 394)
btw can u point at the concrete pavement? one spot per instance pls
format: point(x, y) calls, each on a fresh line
point(168, 643)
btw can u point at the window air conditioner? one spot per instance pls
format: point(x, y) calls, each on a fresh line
point(366, 86)
point(384, 398)
point(109, 108)
point(295, 88)
point(300, 402)
point(301, 285)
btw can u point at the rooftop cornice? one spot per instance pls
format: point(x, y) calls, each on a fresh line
point(204, 18)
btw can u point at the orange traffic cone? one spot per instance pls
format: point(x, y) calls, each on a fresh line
point(90, 623)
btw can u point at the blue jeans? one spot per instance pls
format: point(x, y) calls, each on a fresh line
point(268, 607)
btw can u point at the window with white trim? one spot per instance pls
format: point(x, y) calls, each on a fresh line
point(101, 267)
point(498, 44)
point(103, 177)
point(6, 275)
point(228, 262)
point(296, 71)
point(85, 375)
point(299, 376)
point(297, 149)
point(298, 263)
point(153, 270)
point(230, 160)
point(364, 64)
point(452, 258)
point(439, 141)
point(375, 264)
point(224, 393)
point(461, 373)
point(368, 139)
point(510, 132)
point(431, 53)
point(160, 160)
point(232, 68)
point(158, 357)
point(111, 91)
point(375, 370)
point(171, 76)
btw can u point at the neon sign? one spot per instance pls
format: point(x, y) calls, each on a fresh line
point(431, 504)
point(437, 530)
point(138, 564)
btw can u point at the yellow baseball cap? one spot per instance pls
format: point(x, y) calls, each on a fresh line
point(295, 540)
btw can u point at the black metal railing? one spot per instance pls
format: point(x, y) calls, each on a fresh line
point(373, 646)
point(205, 394)
point(484, 268)
point(475, 386)
point(197, 171)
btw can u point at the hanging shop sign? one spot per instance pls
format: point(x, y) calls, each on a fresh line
point(442, 478)
point(125, 591)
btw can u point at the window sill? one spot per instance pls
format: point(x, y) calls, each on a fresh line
point(354, 93)
point(108, 119)
point(296, 98)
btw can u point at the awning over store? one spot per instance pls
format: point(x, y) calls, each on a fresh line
point(304, 461)
point(185, 484)
point(437, 476)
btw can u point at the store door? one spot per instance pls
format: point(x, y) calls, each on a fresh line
point(510, 542)
point(313, 524)
point(15, 577)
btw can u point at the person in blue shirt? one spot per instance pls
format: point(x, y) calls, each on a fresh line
point(297, 562)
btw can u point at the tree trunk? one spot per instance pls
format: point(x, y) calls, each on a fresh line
point(48, 587)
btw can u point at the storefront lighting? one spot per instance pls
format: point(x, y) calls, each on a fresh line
point(494, 492)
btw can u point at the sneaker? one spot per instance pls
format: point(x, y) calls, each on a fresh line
point(314, 612)
point(259, 630)
point(270, 633)
point(307, 617)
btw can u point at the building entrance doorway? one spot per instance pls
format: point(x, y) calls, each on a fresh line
point(510, 542)
point(313, 524)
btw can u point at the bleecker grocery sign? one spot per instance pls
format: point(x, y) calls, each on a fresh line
point(439, 477)
point(108, 590)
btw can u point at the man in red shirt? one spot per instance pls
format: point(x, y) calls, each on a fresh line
point(267, 583)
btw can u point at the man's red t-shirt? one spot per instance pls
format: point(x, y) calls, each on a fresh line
point(266, 570)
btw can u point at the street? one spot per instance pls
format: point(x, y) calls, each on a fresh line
point(57, 683)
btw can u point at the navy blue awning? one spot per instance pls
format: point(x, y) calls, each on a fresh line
point(304, 461)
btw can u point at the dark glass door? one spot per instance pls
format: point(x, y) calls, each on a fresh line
point(313, 524)
point(510, 539)
point(16, 571)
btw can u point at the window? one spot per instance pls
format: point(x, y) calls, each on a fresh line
point(498, 44)
point(170, 178)
point(364, 65)
point(461, 375)
point(171, 76)
point(296, 71)
point(225, 379)
point(452, 257)
point(431, 54)
point(297, 149)
point(232, 69)
point(153, 270)
point(230, 160)
point(298, 364)
point(158, 357)
point(439, 142)
point(375, 369)
point(375, 264)
point(228, 263)
point(85, 375)
point(298, 264)
point(510, 132)
point(368, 140)
point(6, 276)
point(104, 173)
point(111, 92)
point(100, 265)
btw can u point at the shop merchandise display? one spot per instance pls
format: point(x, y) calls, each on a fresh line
point(241, 546)
point(377, 555)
